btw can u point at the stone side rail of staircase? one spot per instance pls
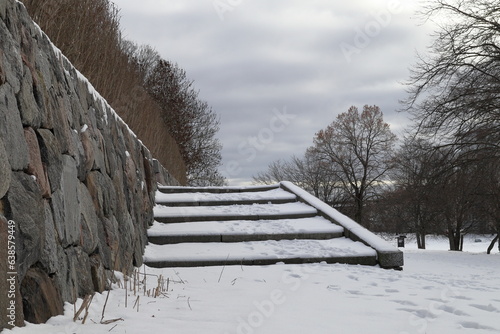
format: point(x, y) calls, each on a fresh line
point(388, 256)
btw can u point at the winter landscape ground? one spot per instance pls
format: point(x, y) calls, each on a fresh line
point(437, 292)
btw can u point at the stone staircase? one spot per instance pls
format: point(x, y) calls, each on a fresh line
point(257, 226)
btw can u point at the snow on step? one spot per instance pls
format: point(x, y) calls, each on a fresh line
point(264, 251)
point(275, 194)
point(233, 189)
point(235, 211)
point(302, 225)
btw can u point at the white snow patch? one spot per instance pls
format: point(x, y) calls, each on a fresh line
point(253, 250)
point(84, 128)
point(246, 227)
point(208, 197)
point(233, 210)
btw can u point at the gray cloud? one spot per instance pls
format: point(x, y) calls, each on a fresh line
point(273, 55)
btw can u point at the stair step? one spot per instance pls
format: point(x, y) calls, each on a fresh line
point(180, 238)
point(216, 190)
point(233, 231)
point(227, 202)
point(339, 250)
point(166, 214)
point(273, 196)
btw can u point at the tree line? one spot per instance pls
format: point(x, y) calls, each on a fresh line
point(443, 176)
point(152, 95)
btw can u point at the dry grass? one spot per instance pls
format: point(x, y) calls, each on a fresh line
point(88, 33)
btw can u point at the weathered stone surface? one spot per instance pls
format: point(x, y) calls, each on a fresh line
point(12, 61)
point(4, 170)
point(112, 240)
point(28, 212)
point(99, 151)
point(51, 256)
point(41, 298)
point(79, 155)
point(65, 205)
point(11, 130)
point(3, 9)
point(121, 202)
point(88, 150)
point(98, 273)
point(62, 130)
point(81, 263)
point(3, 77)
point(30, 113)
point(89, 220)
point(126, 235)
point(35, 166)
point(65, 277)
point(51, 157)
point(100, 187)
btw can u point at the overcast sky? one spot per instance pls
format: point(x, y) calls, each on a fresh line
point(278, 71)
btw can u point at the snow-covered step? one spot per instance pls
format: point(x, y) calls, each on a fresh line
point(244, 230)
point(338, 250)
point(216, 190)
point(257, 225)
point(167, 214)
point(273, 196)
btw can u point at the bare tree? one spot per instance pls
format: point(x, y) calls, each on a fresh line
point(309, 172)
point(415, 179)
point(488, 185)
point(191, 121)
point(359, 146)
point(456, 89)
point(457, 202)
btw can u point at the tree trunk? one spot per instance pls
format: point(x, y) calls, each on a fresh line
point(454, 238)
point(490, 247)
point(358, 215)
point(420, 240)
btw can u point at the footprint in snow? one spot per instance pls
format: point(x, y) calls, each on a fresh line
point(463, 298)
point(421, 313)
point(404, 302)
point(452, 310)
point(487, 308)
point(391, 290)
point(474, 325)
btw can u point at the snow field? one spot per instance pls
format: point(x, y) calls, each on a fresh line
point(437, 292)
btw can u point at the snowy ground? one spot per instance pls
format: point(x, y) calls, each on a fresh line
point(437, 292)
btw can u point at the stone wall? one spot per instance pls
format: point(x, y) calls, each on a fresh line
point(76, 185)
